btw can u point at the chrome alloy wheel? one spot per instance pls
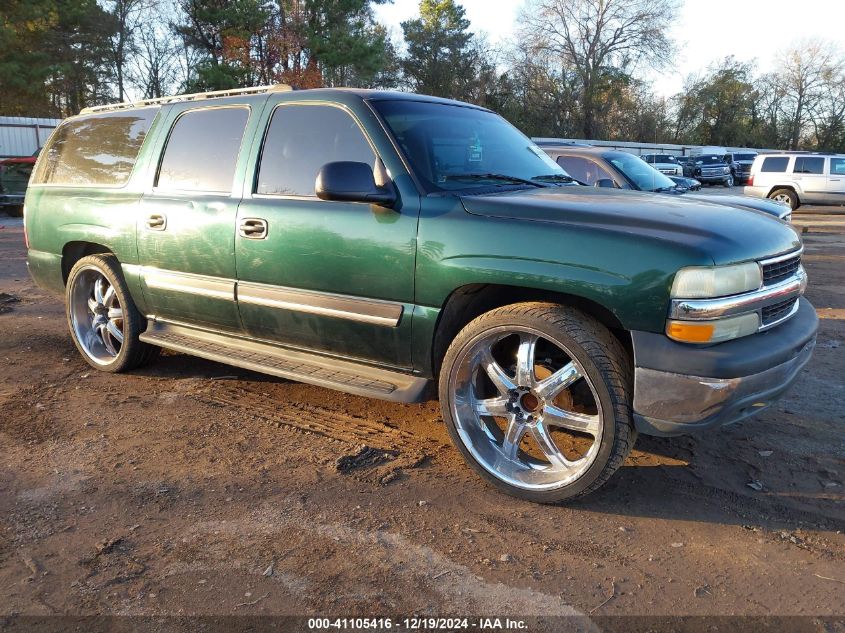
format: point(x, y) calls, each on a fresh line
point(96, 315)
point(525, 408)
point(783, 198)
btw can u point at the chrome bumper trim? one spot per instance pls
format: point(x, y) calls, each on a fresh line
point(706, 309)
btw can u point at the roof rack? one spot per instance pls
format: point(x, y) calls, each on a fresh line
point(215, 94)
point(808, 153)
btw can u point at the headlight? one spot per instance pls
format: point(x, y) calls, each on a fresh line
point(714, 331)
point(700, 282)
point(726, 170)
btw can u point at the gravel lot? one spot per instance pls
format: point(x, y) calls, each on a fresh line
point(196, 488)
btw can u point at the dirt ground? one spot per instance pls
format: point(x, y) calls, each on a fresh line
point(196, 488)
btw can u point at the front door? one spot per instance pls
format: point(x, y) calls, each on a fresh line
point(331, 276)
point(186, 225)
point(808, 172)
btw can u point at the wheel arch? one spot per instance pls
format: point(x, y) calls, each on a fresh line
point(787, 187)
point(73, 251)
point(472, 300)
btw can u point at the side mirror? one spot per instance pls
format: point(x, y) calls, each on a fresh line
point(605, 182)
point(347, 181)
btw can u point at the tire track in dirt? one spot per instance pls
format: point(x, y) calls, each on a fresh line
point(378, 454)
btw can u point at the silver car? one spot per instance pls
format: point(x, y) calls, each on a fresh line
point(796, 178)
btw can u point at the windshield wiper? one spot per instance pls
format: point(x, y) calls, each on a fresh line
point(503, 177)
point(557, 178)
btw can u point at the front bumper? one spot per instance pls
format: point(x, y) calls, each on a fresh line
point(680, 388)
point(711, 179)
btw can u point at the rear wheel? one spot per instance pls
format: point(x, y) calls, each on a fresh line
point(103, 319)
point(785, 196)
point(537, 397)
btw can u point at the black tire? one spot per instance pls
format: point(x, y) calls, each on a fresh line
point(606, 363)
point(15, 211)
point(133, 352)
point(728, 182)
point(787, 194)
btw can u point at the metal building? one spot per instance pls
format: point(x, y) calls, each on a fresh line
point(23, 136)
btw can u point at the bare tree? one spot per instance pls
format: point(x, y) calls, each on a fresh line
point(804, 74)
point(128, 17)
point(598, 38)
point(155, 63)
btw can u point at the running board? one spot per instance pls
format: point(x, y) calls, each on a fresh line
point(351, 377)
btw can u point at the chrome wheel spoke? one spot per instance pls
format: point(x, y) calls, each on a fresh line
point(525, 360)
point(541, 435)
point(102, 330)
point(114, 330)
point(583, 422)
point(558, 381)
point(513, 436)
point(92, 306)
point(115, 313)
point(497, 375)
point(108, 295)
point(99, 289)
point(492, 407)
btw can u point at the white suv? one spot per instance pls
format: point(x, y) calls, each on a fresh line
point(796, 178)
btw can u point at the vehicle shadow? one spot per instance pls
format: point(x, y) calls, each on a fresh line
point(694, 478)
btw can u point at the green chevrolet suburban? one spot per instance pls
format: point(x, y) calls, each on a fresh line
point(399, 246)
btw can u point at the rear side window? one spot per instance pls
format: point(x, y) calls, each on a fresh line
point(202, 150)
point(837, 166)
point(95, 150)
point(808, 165)
point(303, 138)
point(775, 164)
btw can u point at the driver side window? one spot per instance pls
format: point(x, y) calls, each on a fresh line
point(583, 170)
point(303, 138)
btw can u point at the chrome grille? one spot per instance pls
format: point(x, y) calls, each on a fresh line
point(780, 269)
point(775, 312)
point(717, 171)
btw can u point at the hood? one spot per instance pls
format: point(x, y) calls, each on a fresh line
point(746, 202)
point(713, 231)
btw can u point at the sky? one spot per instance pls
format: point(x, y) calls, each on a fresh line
point(706, 31)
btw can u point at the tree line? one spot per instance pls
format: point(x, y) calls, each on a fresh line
point(574, 70)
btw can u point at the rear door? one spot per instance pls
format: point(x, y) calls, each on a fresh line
point(835, 193)
point(808, 172)
point(186, 226)
point(324, 275)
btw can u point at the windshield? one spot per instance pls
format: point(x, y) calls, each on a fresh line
point(643, 175)
point(745, 156)
point(661, 158)
point(451, 147)
point(709, 160)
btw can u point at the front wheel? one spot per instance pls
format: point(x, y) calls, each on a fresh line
point(537, 397)
point(729, 181)
point(103, 319)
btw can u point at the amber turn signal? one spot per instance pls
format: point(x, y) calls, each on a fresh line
point(690, 332)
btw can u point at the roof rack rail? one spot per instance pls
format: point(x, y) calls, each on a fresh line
point(809, 153)
point(214, 94)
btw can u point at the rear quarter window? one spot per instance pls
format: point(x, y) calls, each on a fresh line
point(94, 150)
point(774, 164)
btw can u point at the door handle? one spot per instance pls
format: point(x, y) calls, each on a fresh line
point(157, 222)
point(253, 228)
